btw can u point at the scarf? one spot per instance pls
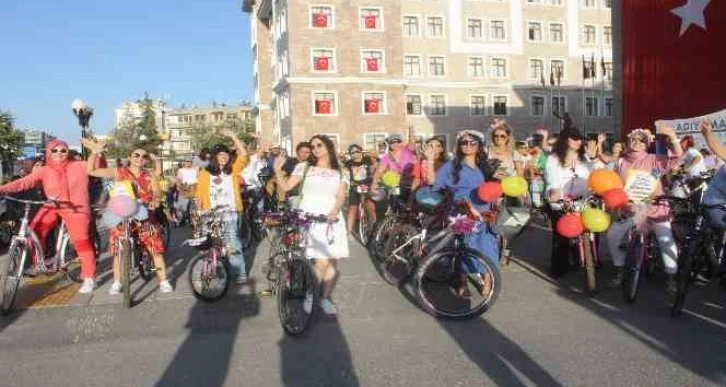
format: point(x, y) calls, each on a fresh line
point(58, 169)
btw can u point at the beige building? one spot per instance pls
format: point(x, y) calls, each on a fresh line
point(360, 70)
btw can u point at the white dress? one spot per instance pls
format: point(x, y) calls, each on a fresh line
point(319, 191)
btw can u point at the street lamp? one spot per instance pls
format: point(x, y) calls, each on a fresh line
point(83, 113)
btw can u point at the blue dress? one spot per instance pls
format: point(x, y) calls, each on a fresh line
point(470, 179)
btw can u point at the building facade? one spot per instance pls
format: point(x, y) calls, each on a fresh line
point(360, 70)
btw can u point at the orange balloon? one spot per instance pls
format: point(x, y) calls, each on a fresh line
point(490, 191)
point(603, 180)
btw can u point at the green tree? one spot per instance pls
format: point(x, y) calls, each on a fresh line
point(10, 138)
point(206, 135)
point(138, 132)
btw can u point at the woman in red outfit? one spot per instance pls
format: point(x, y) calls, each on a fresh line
point(64, 180)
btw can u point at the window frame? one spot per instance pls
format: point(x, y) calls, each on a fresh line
point(543, 68)
point(541, 31)
point(382, 102)
point(420, 65)
point(494, 96)
point(333, 58)
point(485, 107)
point(375, 144)
point(418, 25)
point(492, 67)
point(584, 35)
point(431, 73)
point(421, 111)
point(380, 27)
point(430, 105)
point(492, 36)
point(563, 32)
point(336, 108)
point(443, 26)
point(331, 22)
point(531, 105)
point(381, 66)
point(564, 105)
point(469, 73)
point(482, 35)
point(595, 106)
point(564, 68)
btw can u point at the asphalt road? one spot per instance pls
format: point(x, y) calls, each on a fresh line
point(540, 332)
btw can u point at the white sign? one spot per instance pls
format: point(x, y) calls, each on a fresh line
point(692, 126)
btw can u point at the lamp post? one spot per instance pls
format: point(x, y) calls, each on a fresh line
point(83, 113)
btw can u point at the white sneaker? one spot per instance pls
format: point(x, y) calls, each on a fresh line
point(328, 307)
point(308, 303)
point(88, 285)
point(165, 287)
point(115, 289)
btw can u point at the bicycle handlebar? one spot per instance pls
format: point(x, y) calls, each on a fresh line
point(55, 202)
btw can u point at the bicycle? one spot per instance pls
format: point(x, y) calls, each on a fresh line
point(24, 243)
point(209, 273)
point(396, 212)
point(365, 226)
point(290, 275)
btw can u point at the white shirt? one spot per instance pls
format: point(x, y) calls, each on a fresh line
point(697, 167)
point(571, 180)
point(253, 169)
point(187, 175)
point(221, 191)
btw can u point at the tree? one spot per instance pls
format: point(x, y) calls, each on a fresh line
point(206, 135)
point(10, 138)
point(137, 132)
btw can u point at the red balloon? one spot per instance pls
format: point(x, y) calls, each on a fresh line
point(490, 191)
point(570, 226)
point(615, 198)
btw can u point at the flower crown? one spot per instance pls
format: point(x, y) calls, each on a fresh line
point(470, 132)
point(640, 132)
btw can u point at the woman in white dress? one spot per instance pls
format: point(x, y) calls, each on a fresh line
point(323, 192)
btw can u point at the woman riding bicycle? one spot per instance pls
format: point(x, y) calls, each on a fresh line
point(463, 175)
point(360, 172)
point(435, 157)
point(147, 191)
point(641, 172)
point(219, 187)
point(66, 181)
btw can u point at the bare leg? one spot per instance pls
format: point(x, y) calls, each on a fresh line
point(160, 267)
point(352, 215)
point(328, 277)
point(371, 208)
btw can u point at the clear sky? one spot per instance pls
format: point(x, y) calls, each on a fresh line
point(107, 52)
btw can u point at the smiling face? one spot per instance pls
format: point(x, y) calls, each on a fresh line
point(638, 143)
point(356, 155)
point(468, 145)
point(617, 148)
point(500, 137)
point(222, 158)
point(59, 153)
point(138, 158)
point(319, 149)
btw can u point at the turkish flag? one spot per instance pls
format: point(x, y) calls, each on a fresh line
point(370, 22)
point(372, 64)
point(320, 20)
point(321, 64)
point(674, 62)
point(371, 106)
point(322, 107)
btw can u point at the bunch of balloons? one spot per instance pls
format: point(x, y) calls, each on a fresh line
point(608, 185)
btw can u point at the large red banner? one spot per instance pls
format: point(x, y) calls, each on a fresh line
point(674, 59)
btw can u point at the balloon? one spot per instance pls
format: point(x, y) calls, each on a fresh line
point(514, 186)
point(122, 206)
point(603, 180)
point(570, 226)
point(391, 179)
point(490, 191)
point(595, 220)
point(615, 198)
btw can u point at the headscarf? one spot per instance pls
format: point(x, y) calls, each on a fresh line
point(58, 168)
point(632, 155)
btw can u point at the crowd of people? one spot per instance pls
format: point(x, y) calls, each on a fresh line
point(319, 180)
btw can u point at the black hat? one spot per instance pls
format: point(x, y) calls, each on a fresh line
point(220, 148)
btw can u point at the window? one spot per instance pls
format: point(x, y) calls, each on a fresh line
point(435, 26)
point(374, 103)
point(559, 105)
point(217, 116)
point(372, 61)
point(474, 29)
point(534, 32)
point(372, 140)
point(556, 2)
point(588, 3)
point(437, 66)
point(371, 19)
point(499, 67)
point(536, 69)
point(608, 107)
point(410, 26)
point(607, 68)
point(438, 105)
point(607, 4)
point(200, 117)
point(323, 60)
point(476, 67)
point(324, 104)
point(556, 32)
point(558, 68)
point(591, 106)
point(500, 105)
point(413, 105)
point(321, 17)
point(537, 105)
point(477, 105)
point(412, 66)
point(498, 32)
point(589, 35)
point(607, 35)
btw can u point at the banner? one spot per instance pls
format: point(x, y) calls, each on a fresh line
point(692, 127)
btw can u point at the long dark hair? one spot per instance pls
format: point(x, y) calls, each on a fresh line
point(482, 161)
point(443, 156)
point(332, 155)
point(561, 147)
point(214, 168)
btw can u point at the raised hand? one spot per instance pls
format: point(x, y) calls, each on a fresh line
point(668, 131)
point(706, 126)
point(93, 144)
point(279, 162)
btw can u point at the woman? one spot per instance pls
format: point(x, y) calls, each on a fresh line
point(463, 175)
point(502, 149)
point(566, 176)
point(219, 187)
point(399, 159)
point(360, 173)
point(147, 191)
point(65, 180)
point(693, 162)
point(617, 151)
point(641, 172)
point(323, 192)
point(424, 172)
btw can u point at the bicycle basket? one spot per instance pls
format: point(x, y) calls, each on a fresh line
point(428, 201)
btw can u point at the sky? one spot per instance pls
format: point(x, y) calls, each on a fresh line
point(108, 52)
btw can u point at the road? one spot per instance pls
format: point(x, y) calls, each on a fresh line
point(540, 332)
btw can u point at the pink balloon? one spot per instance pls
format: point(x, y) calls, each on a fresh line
point(123, 206)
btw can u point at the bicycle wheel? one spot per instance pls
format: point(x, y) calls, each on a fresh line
point(589, 263)
point(378, 242)
point(440, 298)
point(70, 263)
point(11, 269)
point(400, 263)
point(245, 231)
point(684, 275)
point(145, 263)
point(125, 255)
point(296, 287)
point(209, 282)
point(633, 260)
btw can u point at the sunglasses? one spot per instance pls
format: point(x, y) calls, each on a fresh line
point(355, 151)
point(395, 142)
point(138, 155)
point(468, 143)
point(318, 145)
point(500, 136)
point(575, 138)
point(59, 150)
point(637, 139)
